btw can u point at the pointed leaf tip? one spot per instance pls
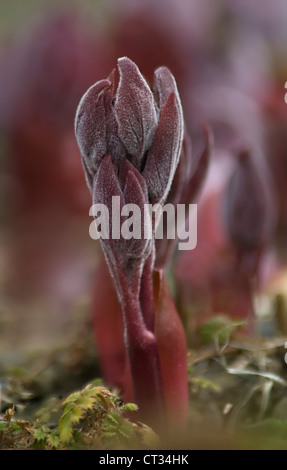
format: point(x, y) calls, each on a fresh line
point(163, 156)
point(135, 110)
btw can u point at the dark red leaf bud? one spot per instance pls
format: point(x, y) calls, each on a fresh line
point(120, 116)
point(248, 209)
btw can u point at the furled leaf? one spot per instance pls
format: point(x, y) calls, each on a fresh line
point(90, 124)
point(163, 157)
point(135, 110)
point(172, 349)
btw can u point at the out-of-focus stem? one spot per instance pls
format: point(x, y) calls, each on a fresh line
point(247, 268)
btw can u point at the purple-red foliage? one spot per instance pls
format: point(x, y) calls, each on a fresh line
point(130, 140)
point(249, 209)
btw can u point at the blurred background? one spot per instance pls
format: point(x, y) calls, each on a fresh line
point(230, 61)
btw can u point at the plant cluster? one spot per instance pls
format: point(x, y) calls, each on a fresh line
point(92, 418)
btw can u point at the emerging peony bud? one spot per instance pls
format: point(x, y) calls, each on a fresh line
point(249, 215)
point(130, 141)
point(248, 210)
point(125, 120)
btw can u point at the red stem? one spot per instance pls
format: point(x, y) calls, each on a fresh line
point(147, 295)
point(144, 359)
point(140, 342)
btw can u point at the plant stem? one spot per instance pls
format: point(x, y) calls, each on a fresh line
point(140, 341)
point(144, 360)
point(147, 295)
